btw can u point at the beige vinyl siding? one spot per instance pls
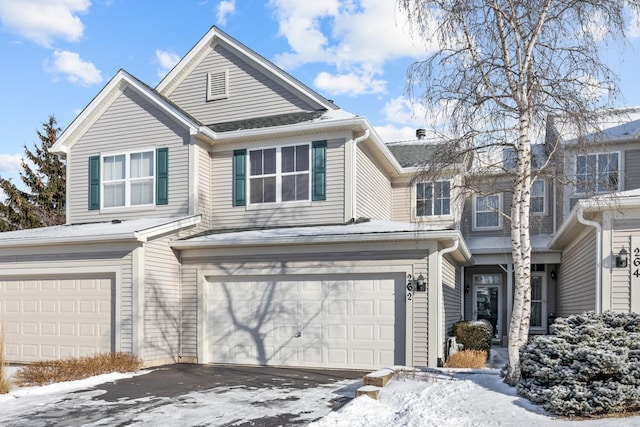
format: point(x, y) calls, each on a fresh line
point(162, 301)
point(34, 262)
point(420, 319)
point(623, 231)
point(329, 211)
point(131, 123)
point(373, 188)
point(189, 305)
point(204, 186)
point(631, 169)
point(401, 206)
point(451, 292)
point(576, 280)
point(251, 92)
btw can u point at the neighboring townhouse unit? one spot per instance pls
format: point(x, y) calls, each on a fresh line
point(233, 215)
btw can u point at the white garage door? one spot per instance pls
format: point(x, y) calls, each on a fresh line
point(52, 318)
point(350, 322)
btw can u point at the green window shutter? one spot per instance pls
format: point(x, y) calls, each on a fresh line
point(319, 178)
point(94, 183)
point(239, 177)
point(162, 176)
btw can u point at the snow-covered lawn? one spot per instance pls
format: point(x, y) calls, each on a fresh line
point(446, 398)
point(438, 398)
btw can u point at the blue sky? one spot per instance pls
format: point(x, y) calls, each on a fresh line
point(58, 54)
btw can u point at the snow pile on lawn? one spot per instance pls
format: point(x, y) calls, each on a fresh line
point(462, 399)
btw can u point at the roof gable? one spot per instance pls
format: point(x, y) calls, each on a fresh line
point(233, 53)
point(106, 97)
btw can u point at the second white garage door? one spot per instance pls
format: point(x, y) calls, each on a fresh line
point(354, 321)
point(53, 318)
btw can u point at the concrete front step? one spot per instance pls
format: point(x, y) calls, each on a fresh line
point(369, 390)
point(378, 378)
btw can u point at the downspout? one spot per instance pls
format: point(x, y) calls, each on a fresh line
point(443, 252)
point(598, 228)
point(354, 176)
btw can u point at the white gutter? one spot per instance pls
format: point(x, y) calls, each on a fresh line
point(270, 240)
point(598, 227)
point(439, 322)
point(354, 177)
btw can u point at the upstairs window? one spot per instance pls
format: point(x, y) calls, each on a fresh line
point(433, 198)
point(279, 174)
point(538, 196)
point(597, 173)
point(486, 212)
point(129, 179)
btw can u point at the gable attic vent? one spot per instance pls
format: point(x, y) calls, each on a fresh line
point(217, 85)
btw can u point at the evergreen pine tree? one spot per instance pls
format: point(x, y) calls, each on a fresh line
point(42, 203)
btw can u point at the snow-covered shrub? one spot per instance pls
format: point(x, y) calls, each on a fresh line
point(474, 334)
point(590, 366)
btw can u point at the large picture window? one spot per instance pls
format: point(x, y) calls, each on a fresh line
point(433, 198)
point(128, 179)
point(279, 174)
point(596, 173)
point(486, 212)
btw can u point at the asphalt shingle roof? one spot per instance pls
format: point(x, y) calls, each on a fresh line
point(414, 153)
point(267, 121)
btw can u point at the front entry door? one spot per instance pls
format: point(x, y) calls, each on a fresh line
point(487, 306)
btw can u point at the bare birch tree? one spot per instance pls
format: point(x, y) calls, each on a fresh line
point(501, 68)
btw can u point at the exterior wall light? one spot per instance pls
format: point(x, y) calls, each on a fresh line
point(622, 260)
point(467, 288)
point(421, 284)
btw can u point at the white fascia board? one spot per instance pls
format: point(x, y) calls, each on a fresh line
point(215, 36)
point(48, 241)
point(596, 204)
point(446, 235)
point(354, 123)
point(144, 235)
point(122, 79)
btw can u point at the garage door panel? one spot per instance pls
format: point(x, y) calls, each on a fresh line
point(315, 323)
point(50, 318)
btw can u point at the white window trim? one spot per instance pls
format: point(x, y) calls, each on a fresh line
point(414, 202)
point(210, 79)
point(499, 212)
point(543, 301)
point(278, 175)
point(575, 171)
point(127, 180)
point(545, 204)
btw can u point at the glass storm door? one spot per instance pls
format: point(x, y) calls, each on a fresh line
point(487, 305)
point(538, 301)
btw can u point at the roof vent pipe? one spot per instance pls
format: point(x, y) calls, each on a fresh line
point(421, 133)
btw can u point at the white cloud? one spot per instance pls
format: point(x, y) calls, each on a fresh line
point(75, 69)
point(401, 110)
point(351, 84)
point(357, 37)
point(167, 60)
point(10, 163)
point(224, 9)
point(42, 21)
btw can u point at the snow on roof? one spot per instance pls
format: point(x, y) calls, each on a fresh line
point(369, 230)
point(616, 124)
point(338, 114)
point(137, 229)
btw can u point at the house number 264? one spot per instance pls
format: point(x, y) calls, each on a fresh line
point(636, 261)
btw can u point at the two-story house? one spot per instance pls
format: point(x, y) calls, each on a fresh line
point(233, 215)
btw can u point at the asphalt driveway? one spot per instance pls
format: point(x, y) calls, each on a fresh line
point(195, 395)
